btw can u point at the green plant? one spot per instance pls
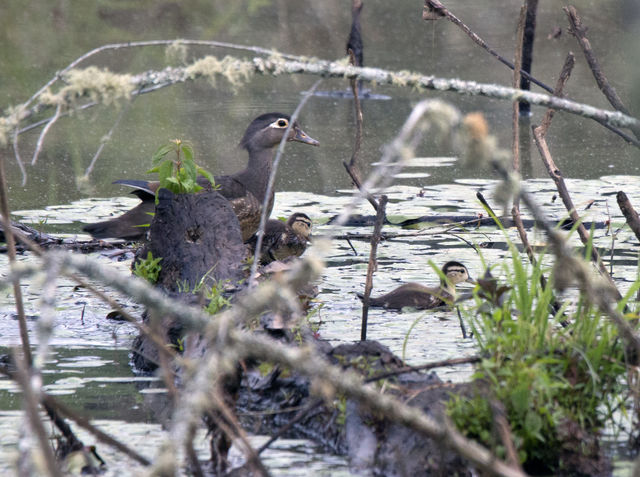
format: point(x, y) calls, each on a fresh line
point(178, 174)
point(217, 301)
point(545, 374)
point(148, 268)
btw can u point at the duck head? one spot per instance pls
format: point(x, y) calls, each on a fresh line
point(267, 130)
point(455, 272)
point(301, 224)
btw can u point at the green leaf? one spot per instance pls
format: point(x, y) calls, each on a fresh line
point(162, 152)
point(190, 169)
point(164, 172)
point(206, 174)
point(187, 151)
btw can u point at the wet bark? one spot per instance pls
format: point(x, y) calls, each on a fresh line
point(196, 235)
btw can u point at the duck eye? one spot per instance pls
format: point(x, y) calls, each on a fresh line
point(282, 123)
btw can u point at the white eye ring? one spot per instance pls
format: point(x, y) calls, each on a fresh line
point(281, 123)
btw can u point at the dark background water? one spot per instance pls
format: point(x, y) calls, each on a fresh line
point(38, 41)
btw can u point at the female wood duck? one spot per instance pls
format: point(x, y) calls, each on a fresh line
point(246, 190)
point(424, 298)
point(284, 239)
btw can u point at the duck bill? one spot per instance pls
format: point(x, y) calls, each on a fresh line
point(301, 136)
point(470, 280)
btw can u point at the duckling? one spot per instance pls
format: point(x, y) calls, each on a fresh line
point(246, 190)
point(424, 298)
point(282, 240)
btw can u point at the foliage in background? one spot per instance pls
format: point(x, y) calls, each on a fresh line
point(546, 375)
point(148, 268)
point(178, 174)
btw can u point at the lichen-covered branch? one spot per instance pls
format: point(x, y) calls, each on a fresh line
point(111, 87)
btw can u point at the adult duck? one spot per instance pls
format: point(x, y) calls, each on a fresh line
point(246, 190)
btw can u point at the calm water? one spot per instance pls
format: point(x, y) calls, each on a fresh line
point(89, 364)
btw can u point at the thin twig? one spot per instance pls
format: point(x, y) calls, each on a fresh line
point(301, 414)
point(11, 249)
point(602, 296)
point(501, 424)
point(105, 139)
point(86, 424)
point(424, 367)
point(30, 399)
point(352, 166)
point(253, 455)
point(579, 31)
point(373, 264)
point(43, 133)
point(565, 73)
point(436, 6)
point(563, 191)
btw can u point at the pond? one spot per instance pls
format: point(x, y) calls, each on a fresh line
point(89, 366)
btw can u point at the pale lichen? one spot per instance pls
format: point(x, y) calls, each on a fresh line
point(176, 53)
point(9, 122)
point(99, 85)
point(236, 71)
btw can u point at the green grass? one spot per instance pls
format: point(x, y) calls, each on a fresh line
point(545, 374)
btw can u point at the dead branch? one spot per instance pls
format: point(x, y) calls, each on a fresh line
point(527, 50)
point(30, 398)
point(601, 293)
point(565, 73)
point(515, 210)
point(11, 248)
point(373, 264)
point(352, 166)
point(629, 213)
point(432, 7)
point(425, 367)
point(579, 31)
point(503, 429)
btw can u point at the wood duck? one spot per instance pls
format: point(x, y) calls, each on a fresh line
point(284, 239)
point(246, 190)
point(424, 298)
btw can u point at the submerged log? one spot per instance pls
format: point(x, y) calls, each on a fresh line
point(462, 220)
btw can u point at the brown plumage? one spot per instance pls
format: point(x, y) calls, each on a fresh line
point(246, 190)
point(421, 297)
point(284, 239)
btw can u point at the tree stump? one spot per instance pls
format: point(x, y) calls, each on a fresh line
point(196, 235)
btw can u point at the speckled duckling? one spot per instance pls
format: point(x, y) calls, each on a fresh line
point(246, 190)
point(284, 239)
point(421, 297)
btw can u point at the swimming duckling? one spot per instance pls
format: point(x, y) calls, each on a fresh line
point(421, 297)
point(246, 190)
point(284, 239)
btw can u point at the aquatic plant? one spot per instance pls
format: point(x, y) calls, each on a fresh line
point(148, 268)
point(178, 175)
point(550, 368)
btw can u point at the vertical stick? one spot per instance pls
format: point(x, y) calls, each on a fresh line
point(11, 249)
point(527, 51)
point(373, 263)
